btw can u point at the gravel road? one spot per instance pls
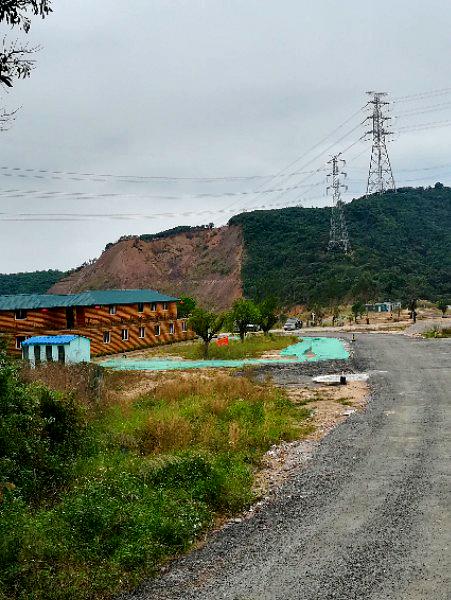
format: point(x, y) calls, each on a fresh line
point(368, 519)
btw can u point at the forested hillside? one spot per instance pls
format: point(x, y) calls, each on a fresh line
point(401, 250)
point(34, 282)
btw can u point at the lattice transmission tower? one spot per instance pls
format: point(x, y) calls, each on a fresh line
point(380, 175)
point(339, 238)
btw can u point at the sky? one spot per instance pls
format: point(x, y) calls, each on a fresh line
point(171, 112)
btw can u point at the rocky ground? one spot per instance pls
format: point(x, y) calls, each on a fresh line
point(368, 518)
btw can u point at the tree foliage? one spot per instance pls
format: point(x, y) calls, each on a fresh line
point(268, 314)
point(206, 325)
point(400, 246)
point(243, 313)
point(442, 304)
point(358, 308)
point(16, 58)
point(185, 306)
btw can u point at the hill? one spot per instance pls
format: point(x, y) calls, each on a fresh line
point(34, 282)
point(200, 261)
point(401, 249)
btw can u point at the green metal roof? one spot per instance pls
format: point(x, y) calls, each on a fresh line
point(88, 298)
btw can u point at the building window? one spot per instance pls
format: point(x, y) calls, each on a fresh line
point(124, 335)
point(184, 326)
point(113, 309)
point(157, 330)
point(106, 337)
point(171, 327)
point(165, 306)
point(20, 314)
point(49, 353)
point(19, 340)
point(153, 307)
point(140, 307)
point(142, 332)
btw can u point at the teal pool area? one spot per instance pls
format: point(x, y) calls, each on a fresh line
point(309, 349)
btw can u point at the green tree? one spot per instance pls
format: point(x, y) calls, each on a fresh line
point(243, 313)
point(442, 304)
point(268, 316)
point(206, 325)
point(358, 308)
point(185, 306)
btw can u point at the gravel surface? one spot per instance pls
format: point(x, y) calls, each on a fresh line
point(367, 519)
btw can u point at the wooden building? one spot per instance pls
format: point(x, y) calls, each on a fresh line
point(113, 320)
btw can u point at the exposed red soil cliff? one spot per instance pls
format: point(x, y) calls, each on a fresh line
point(205, 264)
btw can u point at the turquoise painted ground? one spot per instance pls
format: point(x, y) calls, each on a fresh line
point(308, 349)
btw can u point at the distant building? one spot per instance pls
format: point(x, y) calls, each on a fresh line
point(113, 320)
point(383, 306)
point(56, 348)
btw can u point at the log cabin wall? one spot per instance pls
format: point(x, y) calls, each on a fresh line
point(143, 326)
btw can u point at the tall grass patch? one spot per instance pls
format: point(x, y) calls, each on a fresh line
point(146, 479)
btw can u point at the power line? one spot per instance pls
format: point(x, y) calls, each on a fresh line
point(49, 195)
point(421, 126)
point(422, 95)
point(322, 153)
point(314, 147)
point(76, 176)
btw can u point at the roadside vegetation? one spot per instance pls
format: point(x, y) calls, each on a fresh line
point(98, 487)
point(436, 332)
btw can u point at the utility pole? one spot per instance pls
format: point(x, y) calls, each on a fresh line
point(339, 238)
point(380, 175)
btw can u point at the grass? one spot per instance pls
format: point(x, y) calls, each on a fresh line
point(154, 473)
point(252, 347)
point(438, 333)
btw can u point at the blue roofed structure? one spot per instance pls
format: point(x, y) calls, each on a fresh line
point(49, 340)
point(56, 348)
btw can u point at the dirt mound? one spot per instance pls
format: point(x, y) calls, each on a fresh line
point(205, 264)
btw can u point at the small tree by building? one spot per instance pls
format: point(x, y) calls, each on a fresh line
point(243, 313)
point(358, 308)
point(268, 316)
point(206, 325)
point(185, 306)
point(442, 305)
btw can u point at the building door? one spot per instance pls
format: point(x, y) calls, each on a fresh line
point(37, 355)
point(48, 353)
point(80, 311)
point(61, 354)
point(70, 317)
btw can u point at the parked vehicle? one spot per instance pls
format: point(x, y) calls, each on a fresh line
point(292, 324)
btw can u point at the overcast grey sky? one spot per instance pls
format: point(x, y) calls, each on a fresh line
point(207, 89)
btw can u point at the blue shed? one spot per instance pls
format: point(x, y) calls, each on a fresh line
point(56, 348)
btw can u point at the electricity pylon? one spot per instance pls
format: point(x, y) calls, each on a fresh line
point(339, 238)
point(380, 174)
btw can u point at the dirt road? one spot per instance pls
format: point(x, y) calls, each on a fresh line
point(368, 519)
